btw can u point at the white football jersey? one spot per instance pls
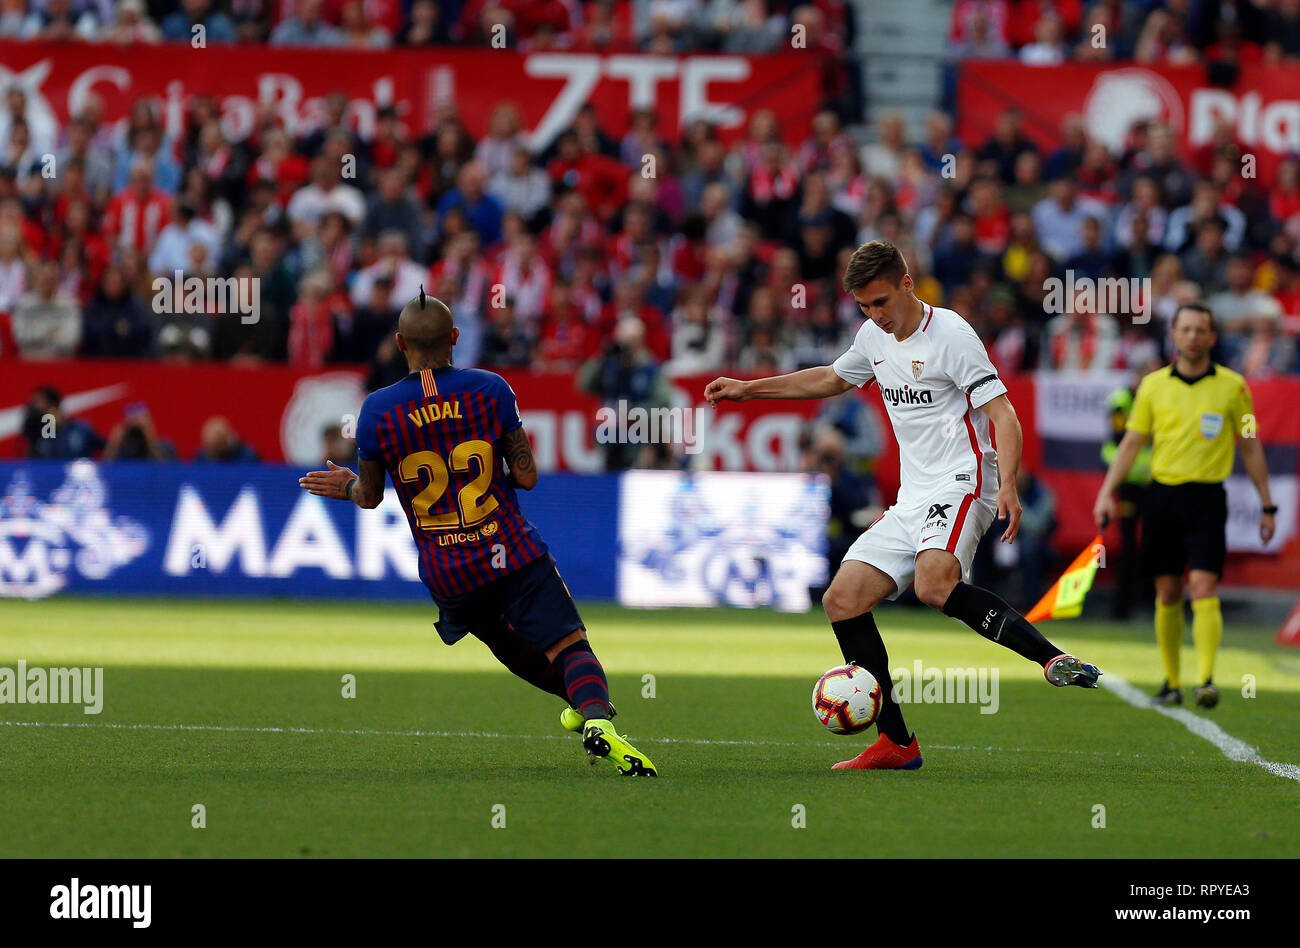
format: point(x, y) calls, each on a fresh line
point(933, 384)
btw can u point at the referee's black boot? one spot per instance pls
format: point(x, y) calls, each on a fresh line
point(1167, 695)
point(1207, 695)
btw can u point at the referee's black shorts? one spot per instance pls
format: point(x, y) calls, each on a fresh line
point(1183, 527)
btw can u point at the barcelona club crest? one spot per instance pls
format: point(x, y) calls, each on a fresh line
point(918, 366)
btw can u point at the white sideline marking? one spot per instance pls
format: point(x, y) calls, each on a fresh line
point(368, 732)
point(362, 732)
point(1232, 748)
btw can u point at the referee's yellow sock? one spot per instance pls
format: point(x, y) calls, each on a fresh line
point(1207, 630)
point(1169, 636)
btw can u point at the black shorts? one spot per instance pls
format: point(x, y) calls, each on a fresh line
point(1183, 526)
point(532, 600)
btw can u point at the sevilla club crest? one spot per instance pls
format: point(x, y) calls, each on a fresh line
point(918, 366)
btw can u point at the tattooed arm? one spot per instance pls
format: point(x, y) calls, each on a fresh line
point(364, 490)
point(518, 454)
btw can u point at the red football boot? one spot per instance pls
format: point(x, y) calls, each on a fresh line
point(885, 755)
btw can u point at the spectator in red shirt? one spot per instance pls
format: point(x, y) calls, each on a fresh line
point(1284, 196)
point(629, 300)
point(565, 337)
point(997, 13)
point(138, 212)
point(602, 181)
point(311, 320)
point(526, 277)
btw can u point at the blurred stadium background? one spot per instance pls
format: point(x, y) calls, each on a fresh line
point(667, 191)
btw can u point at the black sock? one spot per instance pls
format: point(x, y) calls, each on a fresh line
point(996, 621)
point(522, 658)
point(862, 645)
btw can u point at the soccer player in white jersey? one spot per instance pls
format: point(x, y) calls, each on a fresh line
point(943, 396)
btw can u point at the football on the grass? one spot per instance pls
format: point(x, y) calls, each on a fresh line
point(846, 699)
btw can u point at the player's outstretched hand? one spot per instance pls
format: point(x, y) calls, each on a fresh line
point(331, 483)
point(725, 390)
point(1009, 509)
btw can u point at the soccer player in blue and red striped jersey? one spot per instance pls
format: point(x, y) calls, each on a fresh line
point(452, 441)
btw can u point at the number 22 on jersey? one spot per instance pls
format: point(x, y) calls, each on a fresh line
point(472, 503)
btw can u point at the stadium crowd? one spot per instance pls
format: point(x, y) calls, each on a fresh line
point(1220, 33)
point(571, 256)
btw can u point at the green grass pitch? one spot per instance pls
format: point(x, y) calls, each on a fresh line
point(238, 706)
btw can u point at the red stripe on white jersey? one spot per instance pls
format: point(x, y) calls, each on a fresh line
point(979, 481)
point(959, 523)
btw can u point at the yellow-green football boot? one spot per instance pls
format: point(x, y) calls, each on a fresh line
point(571, 720)
point(601, 740)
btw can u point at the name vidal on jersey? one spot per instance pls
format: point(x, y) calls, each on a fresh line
point(907, 396)
point(437, 411)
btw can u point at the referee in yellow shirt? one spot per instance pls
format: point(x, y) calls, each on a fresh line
point(1192, 412)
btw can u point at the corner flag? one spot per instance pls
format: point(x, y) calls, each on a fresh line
point(1065, 599)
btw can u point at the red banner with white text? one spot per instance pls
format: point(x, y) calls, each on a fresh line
point(547, 88)
point(1262, 105)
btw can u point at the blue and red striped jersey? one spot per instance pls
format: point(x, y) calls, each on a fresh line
point(436, 432)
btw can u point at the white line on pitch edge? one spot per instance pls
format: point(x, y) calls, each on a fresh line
point(1231, 747)
point(370, 732)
